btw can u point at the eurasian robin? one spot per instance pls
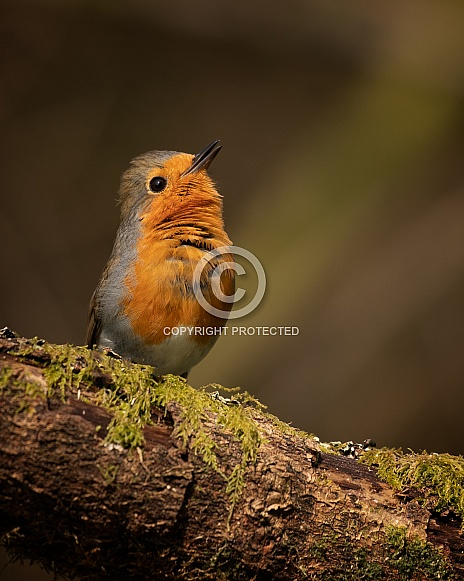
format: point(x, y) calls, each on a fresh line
point(145, 307)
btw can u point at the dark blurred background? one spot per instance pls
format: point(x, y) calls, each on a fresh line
point(342, 170)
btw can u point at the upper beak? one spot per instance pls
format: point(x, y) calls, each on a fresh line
point(203, 159)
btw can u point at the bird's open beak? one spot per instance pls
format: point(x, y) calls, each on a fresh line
point(203, 159)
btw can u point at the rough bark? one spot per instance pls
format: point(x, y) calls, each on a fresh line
point(86, 508)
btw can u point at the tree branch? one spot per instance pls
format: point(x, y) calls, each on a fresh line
point(106, 473)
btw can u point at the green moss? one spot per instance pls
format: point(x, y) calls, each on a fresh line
point(235, 418)
point(395, 555)
point(318, 549)
point(363, 567)
point(412, 557)
point(285, 428)
point(224, 566)
point(438, 477)
point(5, 378)
point(109, 473)
point(130, 395)
point(13, 386)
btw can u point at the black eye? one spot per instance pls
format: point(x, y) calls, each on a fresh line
point(157, 184)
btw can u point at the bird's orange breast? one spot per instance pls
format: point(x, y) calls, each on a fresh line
point(160, 294)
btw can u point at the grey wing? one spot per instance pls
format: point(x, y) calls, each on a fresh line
point(94, 324)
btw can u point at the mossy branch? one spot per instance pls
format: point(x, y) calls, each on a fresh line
point(108, 472)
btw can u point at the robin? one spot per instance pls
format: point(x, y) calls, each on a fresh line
point(145, 307)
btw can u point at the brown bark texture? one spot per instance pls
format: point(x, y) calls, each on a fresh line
point(93, 510)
